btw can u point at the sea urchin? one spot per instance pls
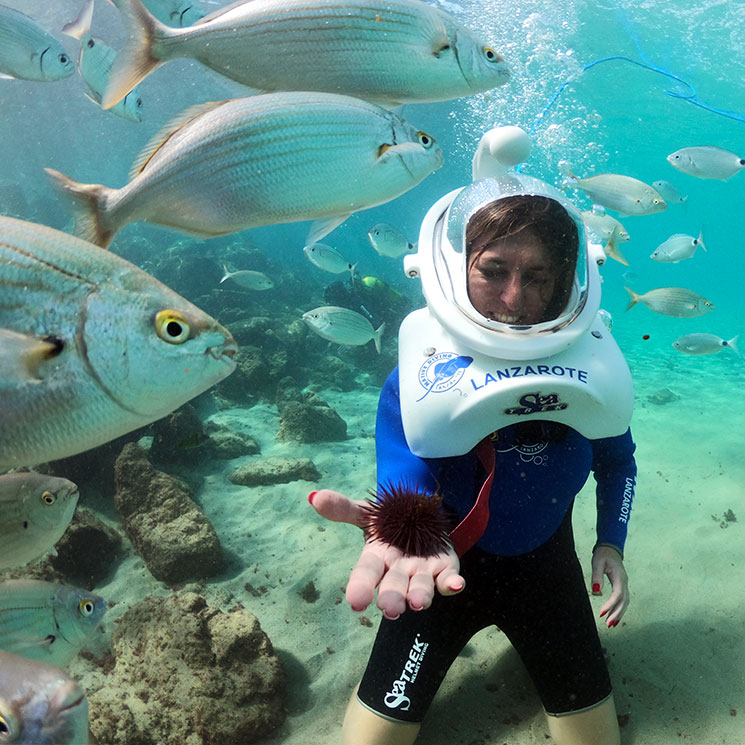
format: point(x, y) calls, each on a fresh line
point(404, 516)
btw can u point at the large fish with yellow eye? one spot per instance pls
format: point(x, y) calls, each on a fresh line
point(40, 704)
point(28, 52)
point(46, 621)
point(94, 65)
point(387, 51)
point(262, 160)
point(103, 347)
point(36, 510)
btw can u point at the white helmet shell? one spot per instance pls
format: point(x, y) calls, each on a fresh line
point(440, 263)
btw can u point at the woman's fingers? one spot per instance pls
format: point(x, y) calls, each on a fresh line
point(336, 507)
point(364, 578)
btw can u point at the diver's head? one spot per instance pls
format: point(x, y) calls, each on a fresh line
point(521, 254)
point(506, 268)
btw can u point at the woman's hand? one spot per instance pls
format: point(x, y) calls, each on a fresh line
point(607, 561)
point(399, 579)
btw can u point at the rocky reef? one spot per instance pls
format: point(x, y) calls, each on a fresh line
point(186, 673)
point(165, 525)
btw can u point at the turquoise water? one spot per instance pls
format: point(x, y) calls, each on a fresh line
point(616, 116)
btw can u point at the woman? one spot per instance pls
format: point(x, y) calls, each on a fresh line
point(518, 570)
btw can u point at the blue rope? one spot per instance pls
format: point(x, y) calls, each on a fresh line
point(691, 96)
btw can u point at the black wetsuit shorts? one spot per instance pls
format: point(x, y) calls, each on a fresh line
point(539, 600)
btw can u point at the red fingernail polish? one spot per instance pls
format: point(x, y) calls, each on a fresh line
point(596, 587)
point(603, 613)
point(311, 495)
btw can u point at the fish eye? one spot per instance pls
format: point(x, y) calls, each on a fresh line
point(171, 326)
point(138, 102)
point(48, 498)
point(91, 43)
point(8, 727)
point(425, 140)
point(63, 59)
point(491, 55)
point(86, 608)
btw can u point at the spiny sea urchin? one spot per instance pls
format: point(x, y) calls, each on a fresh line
point(404, 516)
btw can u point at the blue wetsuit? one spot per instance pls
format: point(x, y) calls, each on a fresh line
point(534, 483)
point(522, 575)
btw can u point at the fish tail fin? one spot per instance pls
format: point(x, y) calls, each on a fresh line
point(634, 298)
point(732, 344)
point(81, 26)
point(226, 273)
point(143, 52)
point(352, 269)
point(88, 203)
point(378, 335)
point(611, 248)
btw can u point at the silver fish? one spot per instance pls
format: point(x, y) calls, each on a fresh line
point(176, 12)
point(28, 52)
point(625, 194)
point(389, 241)
point(36, 510)
point(40, 704)
point(94, 65)
point(249, 279)
point(677, 248)
point(343, 326)
point(672, 301)
point(707, 162)
point(387, 51)
point(123, 349)
point(669, 192)
point(46, 621)
point(328, 259)
point(214, 171)
point(704, 344)
point(601, 226)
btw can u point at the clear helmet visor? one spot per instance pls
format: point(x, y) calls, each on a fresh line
point(511, 255)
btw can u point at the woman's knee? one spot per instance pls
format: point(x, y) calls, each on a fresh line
point(364, 727)
point(595, 726)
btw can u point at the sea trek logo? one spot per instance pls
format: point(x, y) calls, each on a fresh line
point(442, 371)
point(535, 403)
point(397, 698)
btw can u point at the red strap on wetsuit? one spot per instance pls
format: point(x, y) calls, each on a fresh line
point(472, 526)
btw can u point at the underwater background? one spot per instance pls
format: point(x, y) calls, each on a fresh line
point(606, 87)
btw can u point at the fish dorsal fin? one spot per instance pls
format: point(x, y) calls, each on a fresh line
point(165, 134)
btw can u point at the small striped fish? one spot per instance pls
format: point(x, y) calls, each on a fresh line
point(46, 621)
point(387, 51)
point(28, 52)
point(262, 160)
point(672, 301)
point(343, 326)
point(94, 64)
point(36, 510)
point(40, 704)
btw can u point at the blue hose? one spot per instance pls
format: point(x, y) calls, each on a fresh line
point(690, 96)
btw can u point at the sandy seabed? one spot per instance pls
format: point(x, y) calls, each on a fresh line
point(676, 660)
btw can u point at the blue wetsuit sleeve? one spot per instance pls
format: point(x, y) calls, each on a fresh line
point(614, 468)
point(396, 463)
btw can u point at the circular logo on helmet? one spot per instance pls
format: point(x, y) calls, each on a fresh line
point(442, 371)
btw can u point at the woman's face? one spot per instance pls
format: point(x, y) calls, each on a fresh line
point(511, 279)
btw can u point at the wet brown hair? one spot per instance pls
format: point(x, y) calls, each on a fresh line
point(551, 224)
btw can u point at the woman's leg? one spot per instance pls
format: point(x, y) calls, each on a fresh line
point(596, 726)
point(362, 727)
